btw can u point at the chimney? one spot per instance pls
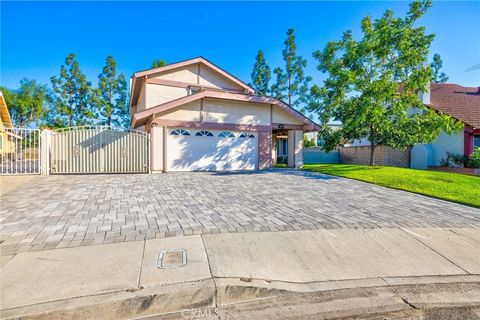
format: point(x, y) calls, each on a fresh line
point(426, 95)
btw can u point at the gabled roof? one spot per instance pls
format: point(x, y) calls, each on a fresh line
point(138, 77)
point(141, 117)
point(6, 119)
point(462, 103)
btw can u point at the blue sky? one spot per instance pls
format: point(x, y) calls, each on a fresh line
point(36, 36)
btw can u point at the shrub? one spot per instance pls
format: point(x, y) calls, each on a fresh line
point(455, 160)
point(474, 160)
point(458, 160)
point(282, 160)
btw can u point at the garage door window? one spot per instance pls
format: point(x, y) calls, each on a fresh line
point(246, 135)
point(179, 132)
point(204, 134)
point(226, 134)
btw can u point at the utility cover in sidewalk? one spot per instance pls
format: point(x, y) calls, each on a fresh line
point(172, 258)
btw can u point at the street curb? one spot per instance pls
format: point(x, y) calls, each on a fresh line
point(216, 293)
point(122, 304)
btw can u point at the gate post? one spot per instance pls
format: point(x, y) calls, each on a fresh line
point(46, 146)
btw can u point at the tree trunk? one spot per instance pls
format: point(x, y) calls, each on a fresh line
point(109, 121)
point(372, 151)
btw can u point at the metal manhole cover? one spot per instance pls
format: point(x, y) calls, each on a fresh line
point(172, 258)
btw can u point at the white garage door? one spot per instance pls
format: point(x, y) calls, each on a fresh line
point(211, 150)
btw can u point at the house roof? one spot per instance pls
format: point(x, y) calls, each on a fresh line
point(141, 117)
point(6, 119)
point(462, 103)
point(139, 76)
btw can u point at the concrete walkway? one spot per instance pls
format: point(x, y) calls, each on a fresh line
point(72, 211)
point(123, 280)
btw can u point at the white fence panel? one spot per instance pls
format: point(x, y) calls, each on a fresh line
point(20, 151)
point(99, 150)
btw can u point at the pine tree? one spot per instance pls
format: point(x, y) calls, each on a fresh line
point(71, 94)
point(291, 83)
point(436, 65)
point(261, 75)
point(110, 97)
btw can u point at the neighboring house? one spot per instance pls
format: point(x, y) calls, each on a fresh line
point(6, 143)
point(461, 103)
point(202, 118)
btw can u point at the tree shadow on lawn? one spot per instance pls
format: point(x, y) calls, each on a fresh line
point(338, 170)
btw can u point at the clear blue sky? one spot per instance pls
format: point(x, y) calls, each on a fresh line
point(36, 36)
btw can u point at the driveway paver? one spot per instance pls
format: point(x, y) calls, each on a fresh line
point(70, 211)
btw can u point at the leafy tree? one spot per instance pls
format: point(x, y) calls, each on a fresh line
point(71, 94)
point(28, 103)
point(373, 84)
point(291, 83)
point(110, 98)
point(308, 143)
point(157, 63)
point(436, 65)
point(260, 75)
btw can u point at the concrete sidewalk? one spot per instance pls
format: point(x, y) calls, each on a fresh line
point(122, 280)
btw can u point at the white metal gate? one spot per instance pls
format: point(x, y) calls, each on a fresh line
point(20, 150)
point(99, 150)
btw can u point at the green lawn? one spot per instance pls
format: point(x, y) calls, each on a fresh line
point(443, 185)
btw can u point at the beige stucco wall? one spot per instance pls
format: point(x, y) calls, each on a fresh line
point(211, 78)
point(208, 77)
point(187, 112)
point(186, 74)
point(141, 100)
point(156, 136)
point(158, 94)
point(281, 116)
point(223, 111)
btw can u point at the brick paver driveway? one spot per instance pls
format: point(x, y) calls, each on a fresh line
point(66, 211)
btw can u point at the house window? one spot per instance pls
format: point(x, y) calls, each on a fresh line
point(246, 135)
point(476, 142)
point(179, 132)
point(226, 134)
point(204, 134)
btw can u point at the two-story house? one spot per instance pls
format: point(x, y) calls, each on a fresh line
point(202, 118)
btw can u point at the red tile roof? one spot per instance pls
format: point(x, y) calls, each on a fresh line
point(462, 103)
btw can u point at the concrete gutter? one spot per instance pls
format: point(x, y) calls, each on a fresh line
point(122, 280)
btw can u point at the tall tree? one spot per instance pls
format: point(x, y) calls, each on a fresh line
point(27, 104)
point(278, 88)
point(436, 65)
point(373, 84)
point(261, 75)
point(291, 83)
point(71, 93)
point(157, 63)
point(110, 97)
